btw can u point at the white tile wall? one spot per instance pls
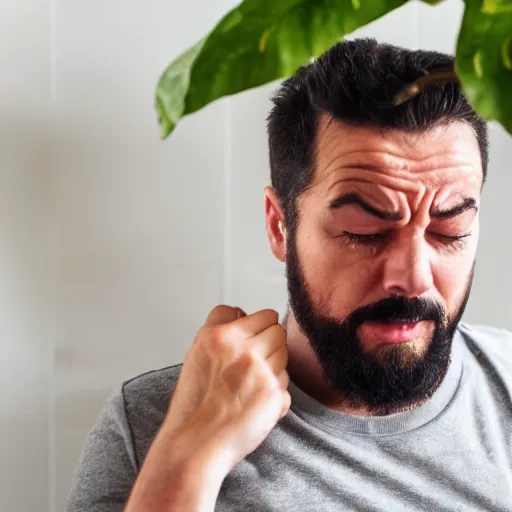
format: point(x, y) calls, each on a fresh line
point(111, 270)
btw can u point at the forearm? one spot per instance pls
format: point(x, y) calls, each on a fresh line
point(173, 480)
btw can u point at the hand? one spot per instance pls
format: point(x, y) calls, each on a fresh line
point(232, 388)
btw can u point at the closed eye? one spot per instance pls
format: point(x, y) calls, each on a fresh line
point(364, 239)
point(453, 237)
point(379, 237)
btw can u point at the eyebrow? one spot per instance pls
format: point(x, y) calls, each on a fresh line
point(468, 203)
point(354, 198)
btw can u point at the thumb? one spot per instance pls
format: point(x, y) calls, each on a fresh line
point(223, 315)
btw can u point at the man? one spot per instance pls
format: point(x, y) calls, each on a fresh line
point(370, 396)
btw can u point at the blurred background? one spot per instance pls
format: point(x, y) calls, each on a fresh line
point(114, 245)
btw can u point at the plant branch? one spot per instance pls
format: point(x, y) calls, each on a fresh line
point(436, 78)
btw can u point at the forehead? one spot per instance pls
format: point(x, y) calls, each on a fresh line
point(445, 157)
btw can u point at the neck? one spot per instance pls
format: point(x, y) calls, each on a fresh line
point(306, 373)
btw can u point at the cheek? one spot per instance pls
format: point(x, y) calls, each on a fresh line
point(338, 279)
point(452, 277)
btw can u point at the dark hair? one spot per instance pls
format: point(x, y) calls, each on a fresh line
point(356, 82)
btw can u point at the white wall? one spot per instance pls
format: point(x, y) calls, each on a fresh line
point(142, 222)
point(149, 235)
point(26, 314)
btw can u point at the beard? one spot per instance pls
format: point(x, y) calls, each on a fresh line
point(391, 377)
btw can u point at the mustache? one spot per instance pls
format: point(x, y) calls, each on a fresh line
point(398, 309)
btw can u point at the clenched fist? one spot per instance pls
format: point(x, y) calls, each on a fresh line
point(232, 388)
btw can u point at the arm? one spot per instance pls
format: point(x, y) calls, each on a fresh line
point(106, 470)
point(231, 392)
point(177, 475)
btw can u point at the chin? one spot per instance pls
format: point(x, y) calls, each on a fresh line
point(402, 355)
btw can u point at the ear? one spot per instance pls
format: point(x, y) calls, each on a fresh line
point(276, 229)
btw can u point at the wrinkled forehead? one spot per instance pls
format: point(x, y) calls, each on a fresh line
point(444, 160)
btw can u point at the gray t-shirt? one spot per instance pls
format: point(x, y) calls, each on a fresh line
point(453, 453)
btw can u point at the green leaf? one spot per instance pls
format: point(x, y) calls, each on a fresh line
point(257, 42)
point(432, 2)
point(172, 90)
point(484, 58)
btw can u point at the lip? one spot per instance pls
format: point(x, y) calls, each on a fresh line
point(397, 332)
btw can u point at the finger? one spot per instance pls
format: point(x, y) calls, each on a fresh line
point(267, 342)
point(278, 361)
point(287, 402)
point(242, 312)
point(222, 315)
point(256, 323)
point(284, 380)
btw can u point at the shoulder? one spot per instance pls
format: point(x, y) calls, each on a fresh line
point(154, 385)
point(494, 338)
point(488, 343)
point(151, 390)
point(146, 399)
point(117, 444)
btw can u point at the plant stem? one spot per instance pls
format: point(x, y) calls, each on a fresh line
point(436, 78)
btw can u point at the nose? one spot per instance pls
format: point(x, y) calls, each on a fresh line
point(407, 267)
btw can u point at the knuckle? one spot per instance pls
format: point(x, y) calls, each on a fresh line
point(219, 340)
point(229, 332)
point(220, 332)
point(254, 366)
point(250, 359)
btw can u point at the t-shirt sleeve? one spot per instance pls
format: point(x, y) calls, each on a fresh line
point(107, 468)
